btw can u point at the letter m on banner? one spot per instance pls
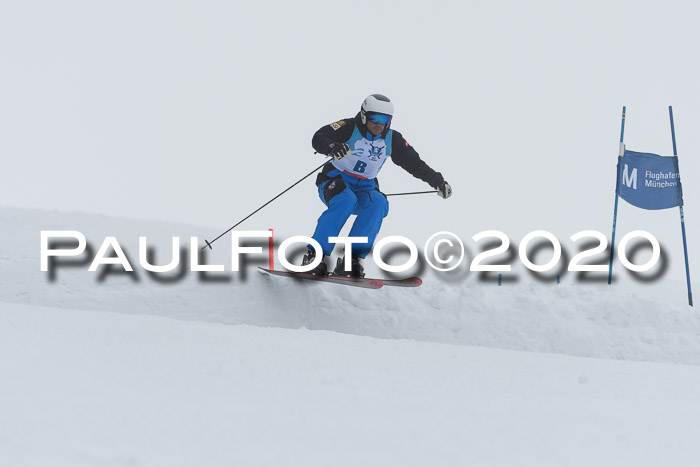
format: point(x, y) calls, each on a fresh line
point(629, 180)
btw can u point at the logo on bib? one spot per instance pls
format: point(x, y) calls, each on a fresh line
point(375, 152)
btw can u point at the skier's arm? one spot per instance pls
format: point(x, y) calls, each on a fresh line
point(338, 132)
point(408, 159)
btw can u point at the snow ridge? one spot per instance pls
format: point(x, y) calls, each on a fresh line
point(580, 320)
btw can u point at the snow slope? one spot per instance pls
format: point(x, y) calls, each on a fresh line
point(116, 369)
point(82, 388)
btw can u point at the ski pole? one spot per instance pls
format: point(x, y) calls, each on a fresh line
point(208, 243)
point(412, 193)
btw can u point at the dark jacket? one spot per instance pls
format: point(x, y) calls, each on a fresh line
point(402, 153)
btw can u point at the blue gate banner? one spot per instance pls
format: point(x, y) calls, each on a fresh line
point(649, 181)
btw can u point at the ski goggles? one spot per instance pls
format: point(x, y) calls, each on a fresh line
point(379, 119)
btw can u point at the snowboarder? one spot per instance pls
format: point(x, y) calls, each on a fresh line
point(348, 184)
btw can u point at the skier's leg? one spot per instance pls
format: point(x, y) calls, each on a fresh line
point(371, 209)
point(340, 204)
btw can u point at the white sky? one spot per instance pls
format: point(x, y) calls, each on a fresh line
point(199, 112)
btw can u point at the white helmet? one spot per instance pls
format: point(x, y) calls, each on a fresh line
point(376, 103)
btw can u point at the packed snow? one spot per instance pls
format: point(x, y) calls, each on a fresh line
point(115, 368)
point(85, 388)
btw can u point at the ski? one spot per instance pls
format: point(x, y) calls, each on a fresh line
point(408, 282)
point(351, 281)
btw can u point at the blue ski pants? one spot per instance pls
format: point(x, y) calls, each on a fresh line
point(345, 195)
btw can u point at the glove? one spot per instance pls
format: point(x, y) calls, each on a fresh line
point(339, 150)
point(444, 190)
